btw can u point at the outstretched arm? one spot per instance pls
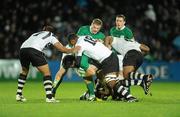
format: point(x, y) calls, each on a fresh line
point(144, 48)
point(63, 49)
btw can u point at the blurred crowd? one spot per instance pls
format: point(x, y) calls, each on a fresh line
point(153, 22)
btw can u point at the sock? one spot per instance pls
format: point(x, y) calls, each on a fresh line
point(21, 83)
point(119, 89)
point(136, 78)
point(56, 84)
point(48, 86)
point(126, 84)
point(90, 87)
point(130, 82)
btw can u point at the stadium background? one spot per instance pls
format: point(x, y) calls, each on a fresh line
point(153, 22)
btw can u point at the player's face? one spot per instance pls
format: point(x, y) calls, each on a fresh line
point(95, 28)
point(120, 22)
point(73, 42)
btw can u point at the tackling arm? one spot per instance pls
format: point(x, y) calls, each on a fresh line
point(61, 48)
point(144, 48)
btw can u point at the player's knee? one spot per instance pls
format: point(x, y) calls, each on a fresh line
point(90, 72)
point(46, 73)
point(24, 71)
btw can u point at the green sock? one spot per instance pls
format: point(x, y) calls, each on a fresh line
point(90, 87)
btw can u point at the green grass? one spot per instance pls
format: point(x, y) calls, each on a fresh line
point(165, 102)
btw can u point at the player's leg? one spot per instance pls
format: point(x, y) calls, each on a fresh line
point(47, 81)
point(122, 92)
point(110, 69)
point(21, 83)
point(90, 86)
point(25, 62)
point(118, 89)
point(131, 62)
point(39, 61)
point(134, 78)
point(88, 79)
point(58, 79)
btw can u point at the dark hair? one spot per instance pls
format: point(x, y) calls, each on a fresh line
point(67, 61)
point(122, 16)
point(71, 36)
point(48, 28)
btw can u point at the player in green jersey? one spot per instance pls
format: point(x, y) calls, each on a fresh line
point(120, 30)
point(123, 42)
point(94, 31)
point(106, 58)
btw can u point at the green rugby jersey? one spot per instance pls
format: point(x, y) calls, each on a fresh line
point(124, 33)
point(85, 30)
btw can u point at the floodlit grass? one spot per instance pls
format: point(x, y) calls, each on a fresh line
point(165, 102)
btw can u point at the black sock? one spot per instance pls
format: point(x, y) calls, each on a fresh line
point(21, 83)
point(58, 84)
point(48, 86)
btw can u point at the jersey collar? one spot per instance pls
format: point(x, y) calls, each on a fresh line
point(121, 28)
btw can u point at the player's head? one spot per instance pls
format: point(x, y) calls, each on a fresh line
point(72, 38)
point(96, 25)
point(102, 92)
point(68, 61)
point(120, 21)
point(48, 28)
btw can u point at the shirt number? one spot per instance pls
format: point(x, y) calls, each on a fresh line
point(90, 40)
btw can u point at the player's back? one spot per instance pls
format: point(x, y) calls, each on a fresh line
point(123, 46)
point(39, 40)
point(93, 49)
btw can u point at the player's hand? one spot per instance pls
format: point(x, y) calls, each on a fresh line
point(99, 40)
point(76, 49)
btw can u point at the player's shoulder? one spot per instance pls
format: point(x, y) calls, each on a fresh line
point(127, 29)
point(83, 29)
point(101, 34)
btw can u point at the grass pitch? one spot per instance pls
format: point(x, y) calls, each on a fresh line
point(165, 102)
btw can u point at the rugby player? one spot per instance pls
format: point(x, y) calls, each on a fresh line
point(123, 42)
point(31, 52)
point(108, 60)
point(94, 31)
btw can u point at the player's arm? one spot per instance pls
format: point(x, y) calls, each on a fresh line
point(144, 48)
point(108, 41)
point(62, 48)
